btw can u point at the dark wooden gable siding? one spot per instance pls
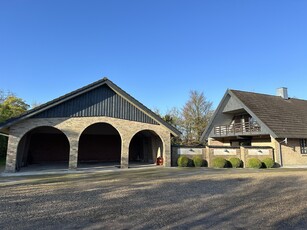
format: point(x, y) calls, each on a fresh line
point(101, 101)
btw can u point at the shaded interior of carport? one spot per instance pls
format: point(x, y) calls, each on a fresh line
point(145, 147)
point(99, 144)
point(44, 147)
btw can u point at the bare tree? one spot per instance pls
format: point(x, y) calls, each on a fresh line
point(174, 117)
point(196, 114)
point(191, 120)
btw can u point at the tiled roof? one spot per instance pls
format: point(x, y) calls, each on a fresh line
point(285, 117)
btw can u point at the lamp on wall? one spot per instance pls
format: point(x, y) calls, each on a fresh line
point(226, 151)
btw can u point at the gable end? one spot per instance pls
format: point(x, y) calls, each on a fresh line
point(101, 101)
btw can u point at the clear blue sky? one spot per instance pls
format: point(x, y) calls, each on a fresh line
point(155, 50)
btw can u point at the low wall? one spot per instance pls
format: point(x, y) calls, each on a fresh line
point(226, 152)
point(258, 152)
point(210, 152)
point(189, 152)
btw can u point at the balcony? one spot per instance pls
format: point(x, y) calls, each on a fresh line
point(236, 129)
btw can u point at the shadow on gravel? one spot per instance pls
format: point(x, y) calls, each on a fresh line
point(151, 200)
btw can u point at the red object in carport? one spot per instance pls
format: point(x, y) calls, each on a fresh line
point(159, 161)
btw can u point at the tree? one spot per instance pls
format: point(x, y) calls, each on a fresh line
point(174, 117)
point(196, 114)
point(191, 120)
point(10, 106)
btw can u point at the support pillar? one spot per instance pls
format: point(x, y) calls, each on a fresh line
point(208, 158)
point(124, 161)
point(167, 151)
point(73, 154)
point(11, 156)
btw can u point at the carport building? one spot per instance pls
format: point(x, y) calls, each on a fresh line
point(97, 123)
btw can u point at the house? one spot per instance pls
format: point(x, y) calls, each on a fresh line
point(97, 123)
point(247, 124)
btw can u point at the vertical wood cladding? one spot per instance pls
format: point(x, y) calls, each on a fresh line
point(102, 101)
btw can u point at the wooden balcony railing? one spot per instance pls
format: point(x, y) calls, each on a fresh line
point(237, 129)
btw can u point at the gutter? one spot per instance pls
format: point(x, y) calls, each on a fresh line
point(280, 153)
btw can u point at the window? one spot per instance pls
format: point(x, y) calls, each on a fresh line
point(303, 143)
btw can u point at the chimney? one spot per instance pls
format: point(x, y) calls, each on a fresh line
point(282, 92)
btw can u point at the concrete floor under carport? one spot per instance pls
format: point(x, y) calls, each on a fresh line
point(61, 168)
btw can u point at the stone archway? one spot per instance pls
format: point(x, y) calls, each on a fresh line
point(100, 143)
point(43, 146)
point(144, 148)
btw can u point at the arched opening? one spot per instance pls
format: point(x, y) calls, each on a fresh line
point(99, 144)
point(44, 147)
point(145, 147)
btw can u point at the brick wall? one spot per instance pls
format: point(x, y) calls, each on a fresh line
point(73, 128)
point(291, 153)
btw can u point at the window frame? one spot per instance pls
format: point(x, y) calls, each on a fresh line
point(303, 146)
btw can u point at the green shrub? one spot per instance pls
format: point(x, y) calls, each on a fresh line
point(183, 161)
point(268, 162)
point(254, 163)
point(198, 161)
point(235, 162)
point(219, 162)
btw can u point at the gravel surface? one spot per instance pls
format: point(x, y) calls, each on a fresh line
point(157, 198)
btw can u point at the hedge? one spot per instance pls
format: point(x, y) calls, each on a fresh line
point(198, 161)
point(268, 162)
point(219, 162)
point(183, 161)
point(235, 162)
point(254, 163)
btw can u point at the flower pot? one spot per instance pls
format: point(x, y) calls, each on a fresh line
point(159, 161)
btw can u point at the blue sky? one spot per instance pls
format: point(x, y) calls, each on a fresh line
point(155, 50)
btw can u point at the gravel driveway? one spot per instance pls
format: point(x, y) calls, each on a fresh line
point(157, 198)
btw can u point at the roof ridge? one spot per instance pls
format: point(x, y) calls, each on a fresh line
point(265, 94)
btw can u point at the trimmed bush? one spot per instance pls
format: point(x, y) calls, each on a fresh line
point(198, 161)
point(183, 161)
point(254, 163)
point(219, 162)
point(268, 162)
point(235, 162)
